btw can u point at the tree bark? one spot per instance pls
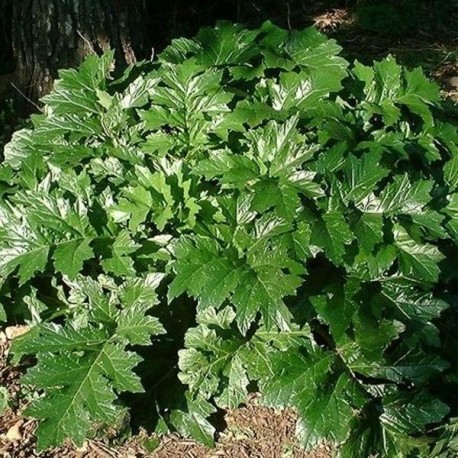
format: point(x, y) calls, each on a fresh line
point(53, 34)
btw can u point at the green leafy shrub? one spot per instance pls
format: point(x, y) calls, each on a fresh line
point(248, 212)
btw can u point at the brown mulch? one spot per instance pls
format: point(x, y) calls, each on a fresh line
point(333, 20)
point(447, 76)
point(252, 431)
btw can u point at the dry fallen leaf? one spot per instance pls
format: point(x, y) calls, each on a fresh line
point(14, 432)
point(15, 331)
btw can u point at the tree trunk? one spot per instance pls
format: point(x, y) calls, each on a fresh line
point(53, 34)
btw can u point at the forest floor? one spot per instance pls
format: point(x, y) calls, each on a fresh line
point(251, 431)
point(436, 53)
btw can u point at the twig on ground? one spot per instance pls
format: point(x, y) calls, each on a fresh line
point(27, 98)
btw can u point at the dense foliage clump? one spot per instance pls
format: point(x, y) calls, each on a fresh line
point(246, 213)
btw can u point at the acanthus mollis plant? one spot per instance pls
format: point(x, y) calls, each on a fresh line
point(248, 212)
